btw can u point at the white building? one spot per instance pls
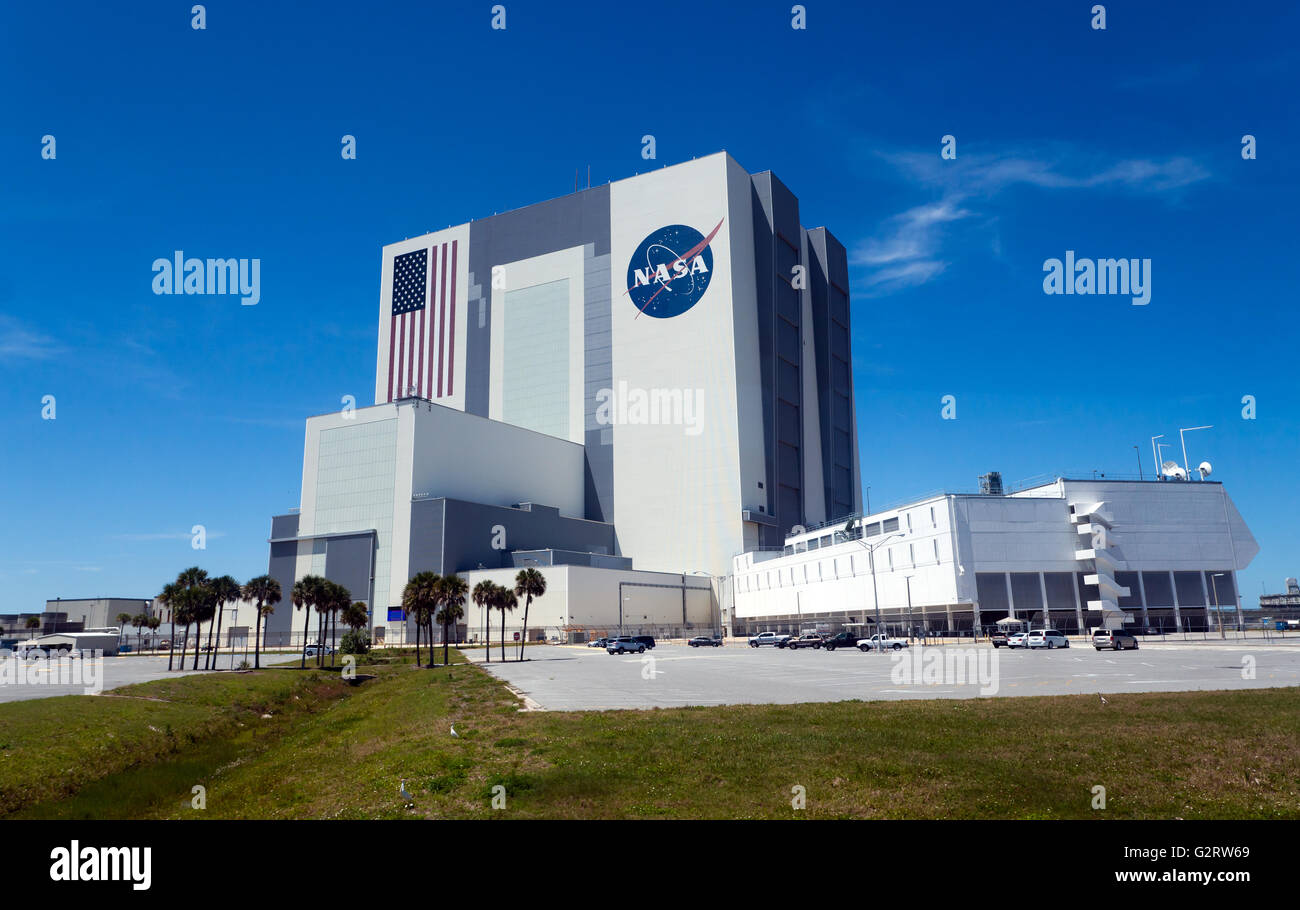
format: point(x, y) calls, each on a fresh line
point(655, 372)
point(1092, 552)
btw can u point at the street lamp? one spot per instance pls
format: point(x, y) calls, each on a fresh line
point(1184, 442)
point(875, 592)
point(1155, 453)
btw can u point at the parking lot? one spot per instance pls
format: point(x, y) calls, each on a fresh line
point(562, 678)
point(113, 672)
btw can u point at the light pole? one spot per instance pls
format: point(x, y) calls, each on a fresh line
point(1139, 458)
point(1217, 609)
point(875, 593)
point(721, 580)
point(1184, 442)
point(1155, 453)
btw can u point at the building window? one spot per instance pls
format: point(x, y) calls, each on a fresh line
point(891, 524)
point(936, 549)
point(933, 523)
point(909, 521)
point(911, 554)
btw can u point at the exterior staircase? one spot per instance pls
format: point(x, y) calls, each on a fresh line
point(1096, 557)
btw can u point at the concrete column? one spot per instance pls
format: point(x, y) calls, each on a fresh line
point(1011, 600)
point(1047, 608)
point(1142, 594)
point(1241, 620)
point(1078, 602)
point(1178, 615)
point(1205, 596)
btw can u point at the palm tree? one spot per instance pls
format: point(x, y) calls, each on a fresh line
point(33, 622)
point(504, 600)
point(356, 615)
point(139, 620)
point(123, 620)
point(529, 583)
point(224, 590)
point(306, 593)
point(170, 596)
point(153, 622)
point(204, 607)
point(454, 589)
point(340, 598)
point(419, 598)
point(482, 596)
point(263, 591)
point(191, 597)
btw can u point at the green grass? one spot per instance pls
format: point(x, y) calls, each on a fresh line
point(339, 752)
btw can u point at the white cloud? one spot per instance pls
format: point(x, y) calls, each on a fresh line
point(19, 343)
point(908, 250)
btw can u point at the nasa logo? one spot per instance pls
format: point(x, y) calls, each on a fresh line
point(670, 270)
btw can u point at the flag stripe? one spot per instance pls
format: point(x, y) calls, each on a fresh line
point(442, 314)
point(392, 333)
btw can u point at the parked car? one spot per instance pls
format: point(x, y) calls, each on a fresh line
point(881, 643)
point(598, 643)
point(1115, 639)
point(807, 640)
point(625, 644)
point(769, 638)
point(1047, 638)
point(647, 640)
point(1017, 640)
point(840, 640)
point(313, 650)
point(999, 638)
point(705, 641)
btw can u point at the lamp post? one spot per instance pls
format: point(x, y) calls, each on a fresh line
point(871, 557)
point(721, 580)
point(1184, 442)
point(1156, 454)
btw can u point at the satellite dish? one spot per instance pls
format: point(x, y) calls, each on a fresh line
point(1205, 468)
point(1173, 471)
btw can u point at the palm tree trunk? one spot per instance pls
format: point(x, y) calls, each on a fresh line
point(444, 643)
point(417, 641)
point(503, 636)
point(221, 614)
point(198, 642)
point(523, 636)
point(171, 652)
point(184, 644)
point(212, 624)
point(334, 637)
point(257, 647)
point(306, 618)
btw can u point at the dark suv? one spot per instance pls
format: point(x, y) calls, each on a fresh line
point(647, 640)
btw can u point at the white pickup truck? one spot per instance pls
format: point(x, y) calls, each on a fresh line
point(881, 643)
point(769, 638)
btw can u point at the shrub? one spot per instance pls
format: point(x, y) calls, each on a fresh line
point(355, 642)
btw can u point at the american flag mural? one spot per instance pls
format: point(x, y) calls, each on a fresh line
point(422, 337)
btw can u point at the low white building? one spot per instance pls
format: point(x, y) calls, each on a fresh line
point(1070, 553)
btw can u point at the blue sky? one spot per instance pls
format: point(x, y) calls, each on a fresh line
point(175, 411)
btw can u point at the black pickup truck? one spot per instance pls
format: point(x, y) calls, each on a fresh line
point(841, 640)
